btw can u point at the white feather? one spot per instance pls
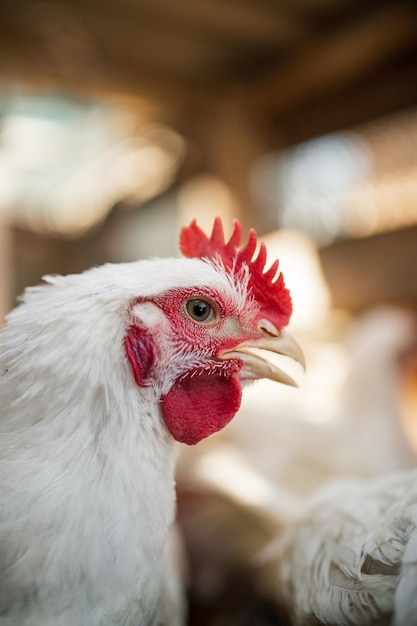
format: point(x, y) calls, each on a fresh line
point(350, 556)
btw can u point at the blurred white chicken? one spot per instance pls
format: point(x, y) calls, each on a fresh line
point(350, 556)
point(362, 433)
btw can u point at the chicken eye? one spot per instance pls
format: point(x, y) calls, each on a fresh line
point(200, 311)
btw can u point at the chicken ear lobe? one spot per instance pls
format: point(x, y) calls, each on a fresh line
point(140, 353)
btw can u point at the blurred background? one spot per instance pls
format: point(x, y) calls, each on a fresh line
point(120, 121)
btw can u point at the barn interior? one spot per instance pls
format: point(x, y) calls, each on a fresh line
point(122, 121)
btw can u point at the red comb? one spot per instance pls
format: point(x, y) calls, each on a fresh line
point(267, 288)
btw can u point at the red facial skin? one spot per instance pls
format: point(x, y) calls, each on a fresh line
point(205, 397)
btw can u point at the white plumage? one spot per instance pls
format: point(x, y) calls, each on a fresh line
point(350, 556)
point(80, 463)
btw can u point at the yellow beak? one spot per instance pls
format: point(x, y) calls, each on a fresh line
point(273, 340)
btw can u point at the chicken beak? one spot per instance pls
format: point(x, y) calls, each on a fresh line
point(273, 340)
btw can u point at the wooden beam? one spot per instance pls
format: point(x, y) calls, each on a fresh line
point(385, 93)
point(330, 62)
point(230, 25)
point(84, 53)
point(134, 47)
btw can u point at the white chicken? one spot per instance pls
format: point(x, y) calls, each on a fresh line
point(99, 373)
point(350, 556)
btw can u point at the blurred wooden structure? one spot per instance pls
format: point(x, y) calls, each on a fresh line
point(236, 78)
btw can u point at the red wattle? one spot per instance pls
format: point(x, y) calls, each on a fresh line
point(196, 407)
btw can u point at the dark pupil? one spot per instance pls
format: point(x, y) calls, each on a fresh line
point(200, 310)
